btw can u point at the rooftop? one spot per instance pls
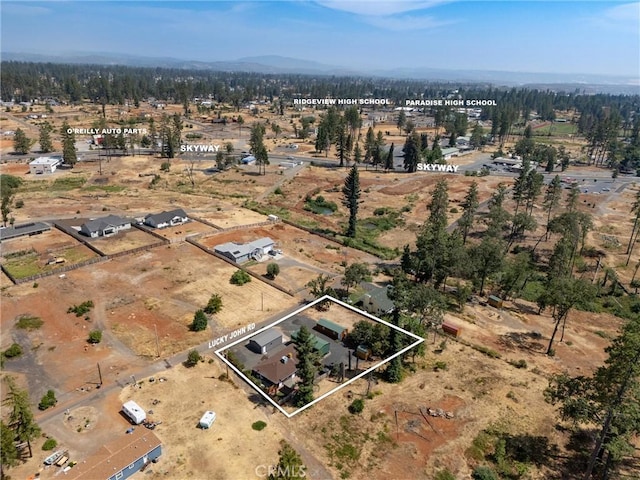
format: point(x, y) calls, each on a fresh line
point(115, 455)
point(265, 337)
point(274, 369)
point(167, 216)
point(100, 223)
point(331, 325)
point(24, 229)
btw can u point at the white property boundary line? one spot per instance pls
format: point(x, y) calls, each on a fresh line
point(218, 352)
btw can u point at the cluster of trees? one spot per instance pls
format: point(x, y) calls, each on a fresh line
point(9, 185)
point(258, 149)
point(440, 253)
point(605, 146)
point(547, 155)
point(20, 428)
point(609, 399)
point(24, 81)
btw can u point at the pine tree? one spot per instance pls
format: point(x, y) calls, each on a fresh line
point(477, 136)
point(411, 152)
point(388, 163)
point(9, 454)
point(69, 151)
point(351, 200)
point(21, 143)
point(402, 120)
point(552, 197)
point(26, 429)
point(433, 239)
point(357, 153)
point(259, 150)
point(469, 207)
point(342, 147)
point(369, 145)
point(46, 145)
point(609, 398)
point(393, 373)
point(322, 140)
point(290, 465)
point(306, 367)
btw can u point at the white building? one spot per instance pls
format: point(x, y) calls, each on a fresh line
point(43, 165)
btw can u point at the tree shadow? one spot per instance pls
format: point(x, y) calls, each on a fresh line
point(523, 340)
point(530, 449)
point(578, 449)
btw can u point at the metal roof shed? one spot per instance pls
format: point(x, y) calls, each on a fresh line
point(320, 346)
point(265, 341)
point(331, 329)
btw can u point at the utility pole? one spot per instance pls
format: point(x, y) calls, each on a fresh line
point(100, 375)
point(157, 342)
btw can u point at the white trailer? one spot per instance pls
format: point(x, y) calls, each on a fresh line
point(207, 419)
point(134, 412)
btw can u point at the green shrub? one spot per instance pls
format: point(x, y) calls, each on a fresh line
point(48, 400)
point(214, 305)
point(29, 322)
point(240, 277)
point(14, 350)
point(444, 475)
point(165, 167)
point(49, 444)
point(81, 309)
point(273, 269)
point(522, 363)
point(484, 473)
point(95, 336)
point(357, 406)
point(259, 425)
point(440, 366)
point(193, 357)
point(200, 321)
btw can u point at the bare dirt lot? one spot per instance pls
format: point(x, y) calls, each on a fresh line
point(306, 248)
point(232, 217)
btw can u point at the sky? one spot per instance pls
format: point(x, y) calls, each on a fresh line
point(542, 36)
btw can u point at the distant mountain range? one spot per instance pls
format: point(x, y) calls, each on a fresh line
point(275, 64)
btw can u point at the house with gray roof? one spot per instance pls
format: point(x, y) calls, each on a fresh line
point(32, 228)
point(166, 219)
point(375, 300)
point(105, 226)
point(243, 252)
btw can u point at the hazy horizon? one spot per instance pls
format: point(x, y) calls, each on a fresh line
point(575, 37)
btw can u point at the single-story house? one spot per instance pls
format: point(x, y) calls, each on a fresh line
point(277, 369)
point(32, 228)
point(243, 252)
point(105, 226)
point(120, 458)
point(331, 329)
point(448, 153)
point(375, 300)
point(319, 345)
point(166, 219)
point(265, 341)
point(43, 165)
